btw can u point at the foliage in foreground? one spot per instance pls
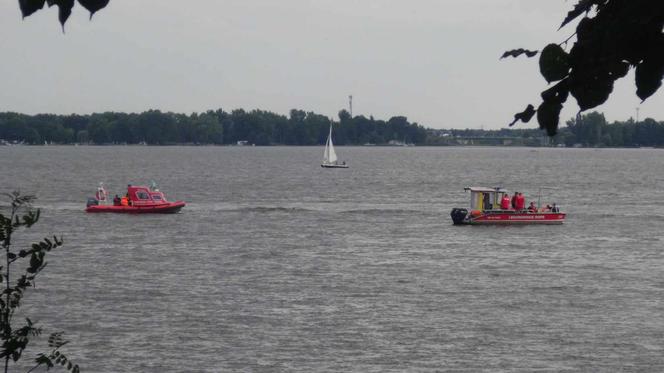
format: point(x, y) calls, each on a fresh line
point(612, 37)
point(15, 337)
point(28, 7)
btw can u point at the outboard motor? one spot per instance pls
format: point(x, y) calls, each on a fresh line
point(459, 215)
point(92, 202)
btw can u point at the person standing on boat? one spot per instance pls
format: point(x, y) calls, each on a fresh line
point(520, 202)
point(555, 208)
point(505, 202)
point(514, 198)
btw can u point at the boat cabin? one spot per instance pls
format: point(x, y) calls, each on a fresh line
point(142, 195)
point(483, 199)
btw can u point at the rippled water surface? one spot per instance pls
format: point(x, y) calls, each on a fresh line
point(278, 265)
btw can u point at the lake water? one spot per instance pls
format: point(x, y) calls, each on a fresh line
point(277, 265)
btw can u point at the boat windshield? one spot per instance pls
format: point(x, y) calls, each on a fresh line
point(142, 195)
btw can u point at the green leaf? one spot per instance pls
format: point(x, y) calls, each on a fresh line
point(30, 6)
point(35, 262)
point(618, 69)
point(591, 90)
point(93, 5)
point(649, 74)
point(583, 6)
point(517, 52)
point(64, 9)
point(524, 116)
point(43, 359)
point(558, 92)
point(548, 116)
point(554, 63)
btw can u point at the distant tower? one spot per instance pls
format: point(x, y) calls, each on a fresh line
point(350, 105)
point(637, 115)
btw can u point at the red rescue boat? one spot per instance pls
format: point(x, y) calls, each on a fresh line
point(485, 208)
point(138, 200)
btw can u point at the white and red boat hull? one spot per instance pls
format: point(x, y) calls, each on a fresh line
point(518, 218)
point(161, 208)
point(461, 217)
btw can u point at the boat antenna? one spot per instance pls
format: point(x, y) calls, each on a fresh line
point(539, 199)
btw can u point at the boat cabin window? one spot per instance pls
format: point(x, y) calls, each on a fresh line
point(485, 199)
point(142, 195)
point(156, 197)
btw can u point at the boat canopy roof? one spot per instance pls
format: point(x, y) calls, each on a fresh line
point(485, 189)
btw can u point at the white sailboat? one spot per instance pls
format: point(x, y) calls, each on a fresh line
point(330, 156)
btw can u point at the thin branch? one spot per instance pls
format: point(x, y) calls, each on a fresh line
point(568, 39)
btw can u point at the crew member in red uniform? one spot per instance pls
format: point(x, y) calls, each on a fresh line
point(520, 202)
point(505, 202)
point(516, 194)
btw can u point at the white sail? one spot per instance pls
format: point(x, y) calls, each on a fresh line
point(331, 154)
point(326, 152)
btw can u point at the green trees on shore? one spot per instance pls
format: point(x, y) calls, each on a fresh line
point(211, 127)
point(305, 128)
point(593, 130)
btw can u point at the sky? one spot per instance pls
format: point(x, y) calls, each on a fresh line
point(433, 61)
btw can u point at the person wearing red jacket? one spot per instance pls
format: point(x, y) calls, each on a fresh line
point(516, 194)
point(505, 202)
point(520, 202)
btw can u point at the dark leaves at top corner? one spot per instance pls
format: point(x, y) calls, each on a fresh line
point(554, 63)
point(524, 116)
point(650, 72)
point(583, 6)
point(548, 116)
point(93, 5)
point(517, 52)
point(64, 9)
point(30, 6)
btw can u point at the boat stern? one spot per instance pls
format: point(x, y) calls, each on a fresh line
point(459, 216)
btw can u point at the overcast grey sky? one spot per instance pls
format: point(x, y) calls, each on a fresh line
point(434, 61)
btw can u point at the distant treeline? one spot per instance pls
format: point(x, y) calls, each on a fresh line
point(305, 128)
point(212, 127)
point(593, 130)
point(589, 130)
